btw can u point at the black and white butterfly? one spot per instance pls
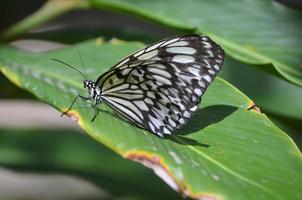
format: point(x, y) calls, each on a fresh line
point(159, 88)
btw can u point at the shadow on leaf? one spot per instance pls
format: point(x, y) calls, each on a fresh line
point(203, 118)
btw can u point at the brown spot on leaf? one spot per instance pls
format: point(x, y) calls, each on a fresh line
point(161, 169)
point(155, 163)
point(73, 115)
point(254, 107)
point(201, 196)
point(99, 41)
point(208, 197)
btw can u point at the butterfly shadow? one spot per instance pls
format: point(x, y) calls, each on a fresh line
point(203, 118)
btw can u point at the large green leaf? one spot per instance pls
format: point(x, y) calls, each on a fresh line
point(227, 151)
point(256, 32)
point(269, 93)
point(276, 97)
point(69, 152)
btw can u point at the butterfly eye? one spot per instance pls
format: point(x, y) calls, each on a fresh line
point(85, 83)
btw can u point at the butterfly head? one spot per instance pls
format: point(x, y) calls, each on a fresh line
point(90, 85)
point(93, 90)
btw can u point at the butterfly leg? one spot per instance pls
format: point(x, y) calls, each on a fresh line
point(96, 112)
point(75, 99)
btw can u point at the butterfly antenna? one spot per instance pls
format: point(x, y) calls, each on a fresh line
point(64, 63)
point(82, 62)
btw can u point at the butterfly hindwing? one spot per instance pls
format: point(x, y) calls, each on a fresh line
point(159, 87)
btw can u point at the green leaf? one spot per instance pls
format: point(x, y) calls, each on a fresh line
point(256, 32)
point(279, 99)
point(269, 34)
point(69, 152)
point(226, 147)
point(270, 93)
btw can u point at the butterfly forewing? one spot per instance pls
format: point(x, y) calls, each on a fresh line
point(159, 87)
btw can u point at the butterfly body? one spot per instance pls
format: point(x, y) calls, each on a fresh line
point(159, 88)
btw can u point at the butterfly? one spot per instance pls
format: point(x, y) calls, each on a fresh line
point(159, 87)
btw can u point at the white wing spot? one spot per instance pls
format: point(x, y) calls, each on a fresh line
point(207, 64)
point(142, 105)
point(160, 72)
point(149, 101)
point(201, 84)
point(163, 80)
point(216, 67)
point(180, 43)
point(155, 121)
point(194, 71)
point(182, 121)
point(127, 107)
point(218, 61)
point(210, 53)
point(207, 45)
point(148, 55)
point(151, 94)
point(207, 78)
point(197, 91)
point(211, 72)
point(139, 53)
point(114, 89)
point(183, 59)
point(126, 71)
point(194, 108)
point(187, 114)
point(188, 90)
point(154, 46)
point(172, 123)
point(166, 131)
point(158, 66)
point(170, 41)
point(133, 87)
point(181, 50)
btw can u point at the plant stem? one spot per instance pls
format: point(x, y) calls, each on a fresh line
point(48, 11)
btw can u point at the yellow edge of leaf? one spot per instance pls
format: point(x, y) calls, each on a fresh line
point(12, 76)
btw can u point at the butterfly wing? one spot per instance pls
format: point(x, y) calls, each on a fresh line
point(159, 87)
